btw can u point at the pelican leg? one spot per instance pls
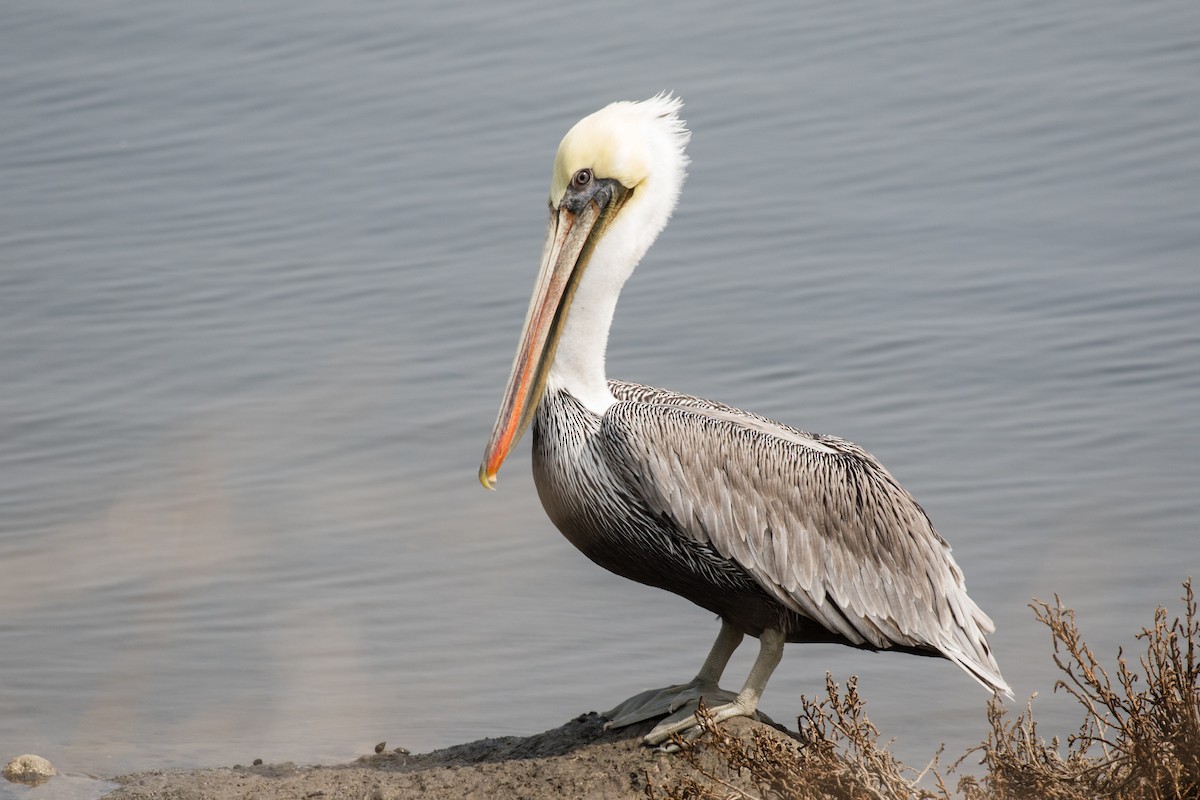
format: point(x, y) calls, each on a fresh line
point(659, 702)
point(744, 705)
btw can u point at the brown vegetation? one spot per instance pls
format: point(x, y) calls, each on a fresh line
point(836, 755)
point(1140, 736)
point(1139, 739)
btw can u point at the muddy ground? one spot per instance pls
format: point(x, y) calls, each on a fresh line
point(577, 760)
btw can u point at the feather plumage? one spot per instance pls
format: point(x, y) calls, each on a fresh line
point(814, 522)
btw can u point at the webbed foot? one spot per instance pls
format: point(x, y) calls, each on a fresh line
point(668, 700)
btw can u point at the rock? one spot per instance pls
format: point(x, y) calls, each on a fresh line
point(28, 769)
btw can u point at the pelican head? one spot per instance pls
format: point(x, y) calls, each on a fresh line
point(616, 180)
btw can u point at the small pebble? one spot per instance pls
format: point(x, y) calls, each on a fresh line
point(28, 769)
point(258, 762)
point(379, 748)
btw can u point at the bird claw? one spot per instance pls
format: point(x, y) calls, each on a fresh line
point(682, 724)
point(679, 741)
point(686, 726)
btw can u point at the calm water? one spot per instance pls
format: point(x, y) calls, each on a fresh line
point(262, 269)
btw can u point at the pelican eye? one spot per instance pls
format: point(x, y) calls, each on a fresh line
point(581, 178)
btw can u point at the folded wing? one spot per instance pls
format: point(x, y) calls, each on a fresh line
point(816, 520)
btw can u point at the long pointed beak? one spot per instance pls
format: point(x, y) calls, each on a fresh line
point(570, 238)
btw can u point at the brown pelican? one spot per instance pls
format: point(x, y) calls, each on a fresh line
point(787, 536)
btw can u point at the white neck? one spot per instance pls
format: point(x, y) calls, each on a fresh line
point(579, 362)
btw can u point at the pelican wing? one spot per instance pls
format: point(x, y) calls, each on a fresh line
point(816, 520)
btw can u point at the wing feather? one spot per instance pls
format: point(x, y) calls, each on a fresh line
point(817, 521)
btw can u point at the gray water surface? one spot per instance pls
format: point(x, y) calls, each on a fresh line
point(262, 268)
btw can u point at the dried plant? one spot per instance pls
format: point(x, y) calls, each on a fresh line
point(835, 755)
point(1139, 739)
point(1021, 765)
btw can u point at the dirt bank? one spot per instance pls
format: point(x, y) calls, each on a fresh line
point(576, 760)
